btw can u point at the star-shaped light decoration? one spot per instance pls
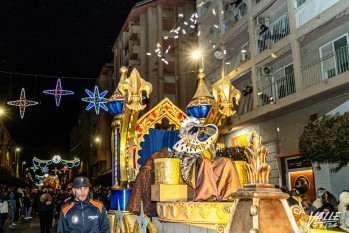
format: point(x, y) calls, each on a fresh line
point(55, 170)
point(64, 169)
point(44, 170)
point(22, 103)
point(58, 92)
point(96, 99)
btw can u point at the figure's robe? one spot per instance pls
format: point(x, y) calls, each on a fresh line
point(212, 179)
point(141, 190)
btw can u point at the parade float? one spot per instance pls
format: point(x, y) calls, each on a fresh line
point(254, 206)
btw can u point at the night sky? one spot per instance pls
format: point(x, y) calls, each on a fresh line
point(64, 39)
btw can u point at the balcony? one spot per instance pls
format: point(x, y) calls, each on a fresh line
point(133, 53)
point(310, 9)
point(134, 64)
point(327, 67)
point(203, 7)
point(275, 90)
point(273, 34)
point(132, 33)
point(245, 105)
point(233, 14)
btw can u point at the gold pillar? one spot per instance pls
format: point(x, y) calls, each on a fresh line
point(133, 90)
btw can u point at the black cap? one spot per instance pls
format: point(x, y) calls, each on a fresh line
point(81, 181)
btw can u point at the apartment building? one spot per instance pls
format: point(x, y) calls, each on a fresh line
point(163, 58)
point(289, 58)
point(7, 159)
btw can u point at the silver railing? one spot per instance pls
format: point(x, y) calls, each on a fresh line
point(309, 9)
point(246, 104)
point(273, 34)
point(327, 67)
point(275, 90)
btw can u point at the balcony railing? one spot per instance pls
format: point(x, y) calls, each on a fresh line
point(203, 7)
point(327, 67)
point(234, 14)
point(311, 8)
point(246, 105)
point(278, 89)
point(276, 32)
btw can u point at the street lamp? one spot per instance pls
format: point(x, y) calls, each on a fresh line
point(98, 141)
point(17, 150)
point(23, 163)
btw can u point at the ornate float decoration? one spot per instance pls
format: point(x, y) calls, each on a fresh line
point(260, 207)
point(202, 102)
point(115, 105)
point(133, 89)
point(129, 134)
point(227, 101)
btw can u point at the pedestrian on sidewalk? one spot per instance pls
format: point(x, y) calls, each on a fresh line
point(12, 207)
point(45, 210)
point(3, 209)
point(83, 214)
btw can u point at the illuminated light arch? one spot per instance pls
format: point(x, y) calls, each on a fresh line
point(39, 164)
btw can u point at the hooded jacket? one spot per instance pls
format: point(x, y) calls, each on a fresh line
point(83, 217)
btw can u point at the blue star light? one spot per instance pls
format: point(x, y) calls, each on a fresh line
point(96, 99)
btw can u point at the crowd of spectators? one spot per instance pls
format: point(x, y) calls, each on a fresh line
point(24, 202)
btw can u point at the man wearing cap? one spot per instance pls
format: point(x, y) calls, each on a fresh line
point(83, 214)
point(45, 210)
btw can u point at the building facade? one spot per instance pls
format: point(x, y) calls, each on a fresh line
point(289, 58)
point(163, 58)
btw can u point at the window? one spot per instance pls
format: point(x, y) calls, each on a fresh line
point(299, 3)
point(335, 57)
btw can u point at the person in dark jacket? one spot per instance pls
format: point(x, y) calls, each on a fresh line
point(102, 197)
point(83, 214)
point(45, 210)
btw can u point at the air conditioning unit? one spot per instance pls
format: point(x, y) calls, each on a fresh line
point(263, 20)
point(267, 70)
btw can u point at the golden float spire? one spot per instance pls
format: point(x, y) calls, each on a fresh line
point(202, 101)
point(258, 170)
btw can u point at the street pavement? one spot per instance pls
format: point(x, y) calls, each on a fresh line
point(31, 226)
